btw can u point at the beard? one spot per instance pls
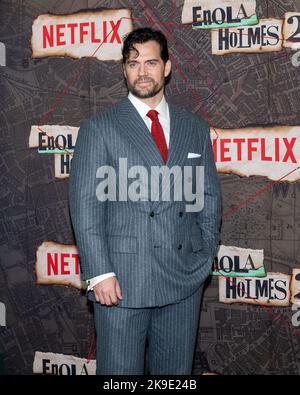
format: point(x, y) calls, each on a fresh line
point(145, 92)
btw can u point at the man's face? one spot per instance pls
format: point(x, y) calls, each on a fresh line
point(146, 73)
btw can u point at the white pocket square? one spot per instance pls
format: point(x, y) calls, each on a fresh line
point(193, 155)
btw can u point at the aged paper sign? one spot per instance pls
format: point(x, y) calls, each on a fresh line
point(295, 287)
point(58, 140)
point(269, 152)
point(58, 264)
point(62, 165)
point(266, 36)
point(272, 290)
point(235, 262)
point(220, 13)
point(62, 365)
point(96, 34)
point(51, 139)
point(291, 30)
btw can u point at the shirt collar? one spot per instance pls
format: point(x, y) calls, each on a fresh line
point(142, 108)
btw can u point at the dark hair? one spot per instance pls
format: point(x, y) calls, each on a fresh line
point(143, 35)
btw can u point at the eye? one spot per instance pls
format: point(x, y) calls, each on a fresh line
point(132, 65)
point(152, 63)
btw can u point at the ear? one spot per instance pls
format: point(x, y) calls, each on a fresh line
point(168, 67)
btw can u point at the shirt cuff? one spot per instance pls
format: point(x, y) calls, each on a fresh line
point(95, 280)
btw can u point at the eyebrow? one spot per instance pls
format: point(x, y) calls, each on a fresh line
point(136, 61)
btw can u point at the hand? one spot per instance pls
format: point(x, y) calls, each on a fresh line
point(108, 291)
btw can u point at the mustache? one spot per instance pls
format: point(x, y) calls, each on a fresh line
point(145, 79)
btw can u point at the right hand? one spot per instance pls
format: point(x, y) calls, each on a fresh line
point(108, 291)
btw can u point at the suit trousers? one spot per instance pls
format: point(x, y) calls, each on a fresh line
point(170, 330)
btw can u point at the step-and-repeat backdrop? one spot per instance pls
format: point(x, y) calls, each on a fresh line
point(236, 63)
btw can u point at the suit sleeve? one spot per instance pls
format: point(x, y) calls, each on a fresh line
point(209, 219)
point(87, 212)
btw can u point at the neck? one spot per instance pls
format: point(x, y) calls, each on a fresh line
point(154, 101)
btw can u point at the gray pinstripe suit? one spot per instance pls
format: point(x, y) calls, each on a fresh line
point(160, 253)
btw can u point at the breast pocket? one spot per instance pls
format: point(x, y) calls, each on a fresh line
point(122, 244)
point(193, 162)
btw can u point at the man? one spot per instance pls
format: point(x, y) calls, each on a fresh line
point(145, 259)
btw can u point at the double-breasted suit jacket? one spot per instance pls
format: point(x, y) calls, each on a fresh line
point(161, 253)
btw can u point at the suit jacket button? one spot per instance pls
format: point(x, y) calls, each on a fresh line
point(152, 214)
point(180, 214)
point(180, 246)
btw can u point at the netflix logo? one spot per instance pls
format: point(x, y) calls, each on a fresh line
point(80, 33)
point(62, 264)
point(241, 149)
point(269, 152)
point(84, 34)
point(58, 264)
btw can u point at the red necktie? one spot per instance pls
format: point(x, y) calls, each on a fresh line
point(158, 134)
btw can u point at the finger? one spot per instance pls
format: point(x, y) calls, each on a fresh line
point(113, 298)
point(118, 290)
point(107, 300)
point(101, 297)
point(102, 301)
point(96, 296)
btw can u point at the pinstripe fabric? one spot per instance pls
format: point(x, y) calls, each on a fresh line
point(171, 331)
point(158, 259)
point(172, 336)
point(121, 339)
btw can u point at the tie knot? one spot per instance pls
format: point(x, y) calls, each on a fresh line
point(152, 114)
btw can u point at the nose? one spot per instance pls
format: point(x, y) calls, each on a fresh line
point(142, 69)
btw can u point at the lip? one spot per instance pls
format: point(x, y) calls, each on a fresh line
point(144, 83)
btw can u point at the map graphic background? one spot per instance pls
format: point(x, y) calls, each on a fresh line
point(233, 91)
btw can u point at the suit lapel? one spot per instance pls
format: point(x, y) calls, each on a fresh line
point(178, 145)
point(138, 135)
point(179, 137)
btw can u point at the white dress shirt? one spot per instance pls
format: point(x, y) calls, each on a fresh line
point(164, 118)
